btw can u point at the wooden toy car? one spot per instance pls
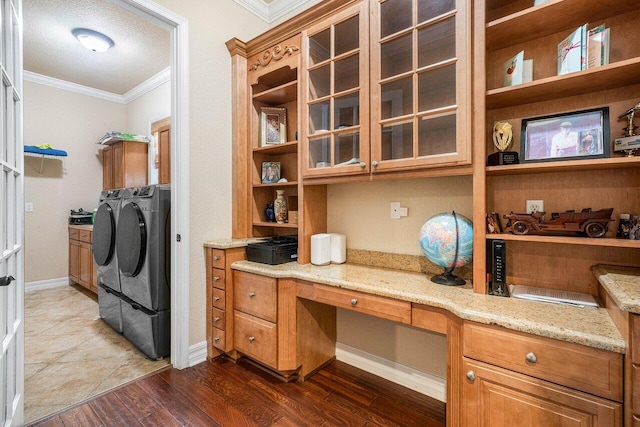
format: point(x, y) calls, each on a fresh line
point(589, 222)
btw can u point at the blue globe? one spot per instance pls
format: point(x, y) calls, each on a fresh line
point(438, 241)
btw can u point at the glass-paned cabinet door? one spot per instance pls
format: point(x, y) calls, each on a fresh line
point(335, 84)
point(421, 83)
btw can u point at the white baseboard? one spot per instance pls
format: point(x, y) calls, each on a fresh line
point(197, 353)
point(424, 383)
point(46, 284)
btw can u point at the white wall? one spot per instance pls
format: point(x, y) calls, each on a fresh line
point(71, 122)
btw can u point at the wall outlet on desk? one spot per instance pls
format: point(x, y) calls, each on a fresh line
point(535, 206)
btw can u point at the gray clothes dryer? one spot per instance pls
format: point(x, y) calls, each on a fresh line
point(104, 254)
point(144, 259)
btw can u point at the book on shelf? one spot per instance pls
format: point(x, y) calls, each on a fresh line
point(113, 137)
point(557, 296)
point(597, 46)
point(517, 70)
point(539, 2)
point(572, 51)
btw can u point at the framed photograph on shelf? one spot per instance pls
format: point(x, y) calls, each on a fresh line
point(270, 172)
point(273, 126)
point(569, 136)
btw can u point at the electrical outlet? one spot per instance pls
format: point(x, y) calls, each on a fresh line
point(28, 207)
point(397, 212)
point(535, 206)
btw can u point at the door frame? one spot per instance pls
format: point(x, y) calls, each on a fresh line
point(179, 41)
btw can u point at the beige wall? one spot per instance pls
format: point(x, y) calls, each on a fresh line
point(71, 122)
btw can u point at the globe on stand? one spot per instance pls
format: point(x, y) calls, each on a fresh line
point(447, 240)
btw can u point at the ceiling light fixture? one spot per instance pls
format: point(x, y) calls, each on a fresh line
point(92, 40)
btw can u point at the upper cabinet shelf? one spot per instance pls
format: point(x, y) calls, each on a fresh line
point(549, 18)
point(618, 74)
point(565, 166)
point(282, 94)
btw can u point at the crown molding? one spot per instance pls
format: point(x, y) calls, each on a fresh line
point(72, 87)
point(135, 93)
point(272, 11)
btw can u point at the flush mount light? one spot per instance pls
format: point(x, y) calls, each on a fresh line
point(92, 40)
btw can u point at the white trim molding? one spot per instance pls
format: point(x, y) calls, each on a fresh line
point(39, 285)
point(424, 383)
point(148, 85)
point(272, 11)
point(72, 87)
point(197, 353)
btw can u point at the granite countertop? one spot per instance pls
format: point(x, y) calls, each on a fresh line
point(622, 284)
point(82, 226)
point(232, 243)
point(592, 327)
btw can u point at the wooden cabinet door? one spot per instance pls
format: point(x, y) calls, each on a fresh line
point(164, 155)
point(107, 168)
point(74, 260)
point(118, 165)
point(85, 269)
point(497, 397)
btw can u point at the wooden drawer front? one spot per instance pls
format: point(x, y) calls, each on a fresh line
point(218, 278)
point(256, 338)
point(256, 295)
point(218, 338)
point(84, 236)
point(74, 233)
point(635, 339)
point(635, 392)
point(217, 258)
point(428, 318)
point(218, 318)
point(386, 308)
point(218, 298)
point(584, 368)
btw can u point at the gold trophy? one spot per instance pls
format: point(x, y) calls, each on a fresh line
point(630, 142)
point(502, 138)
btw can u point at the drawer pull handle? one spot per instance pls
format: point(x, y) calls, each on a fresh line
point(216, 278)
point(531, 357)
point(216, 319)
point(252, 339)
point(471, 376)
point(216, 339)
point(354, 301)
point(363, 165)
point(216, 298)
point(252, 294)
point(216, 258)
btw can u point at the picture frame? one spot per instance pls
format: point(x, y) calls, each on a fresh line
point(273, 126)
point(576, 135)
point(494, 225)
point(270, 172)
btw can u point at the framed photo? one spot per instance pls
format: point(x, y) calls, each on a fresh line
point(494, 226)
point(270, 172)
point(273, 126)
point(570, 136)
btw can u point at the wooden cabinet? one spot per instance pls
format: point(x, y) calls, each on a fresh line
point(509, 27)
point(511, 377)
point(219, 276)
point(124, 164)
point(164, 155)
point(82, 268)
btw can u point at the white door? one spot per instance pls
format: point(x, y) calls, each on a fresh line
point(11, 217)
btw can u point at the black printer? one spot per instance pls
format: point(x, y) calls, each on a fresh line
point(273, 251)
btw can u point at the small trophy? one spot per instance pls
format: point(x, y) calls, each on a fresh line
point(502, 137)
point(630, 142)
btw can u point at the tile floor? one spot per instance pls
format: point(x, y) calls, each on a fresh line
point(71, 354)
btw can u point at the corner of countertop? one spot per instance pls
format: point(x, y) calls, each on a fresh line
point(231, 243)
point(622, 283)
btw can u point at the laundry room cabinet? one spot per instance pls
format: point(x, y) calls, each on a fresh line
point(82, 268)
point(125, 164)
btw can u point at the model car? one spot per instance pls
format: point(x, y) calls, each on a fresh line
point(587, 221)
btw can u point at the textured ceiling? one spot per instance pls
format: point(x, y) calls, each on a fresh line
point(141, 48)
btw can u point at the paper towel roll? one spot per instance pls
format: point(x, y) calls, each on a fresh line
point(338, 248)
point(320, 249)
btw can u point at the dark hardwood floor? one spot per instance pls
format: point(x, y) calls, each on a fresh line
point(223, 393)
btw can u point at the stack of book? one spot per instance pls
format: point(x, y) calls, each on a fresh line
point(113, 137)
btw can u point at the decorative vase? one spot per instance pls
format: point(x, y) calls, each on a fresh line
point(269, 213)
point(280, 207)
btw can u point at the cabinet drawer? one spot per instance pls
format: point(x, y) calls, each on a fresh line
point(218, 338)
point(74, 233)
point(217, 258)
point(84, 236)
point(584, 368)
point(256, 338)
point(218, 298)
point(218, 278)
point(255, 295)
point(218, 318)
point(386, 308)
point(635, 392)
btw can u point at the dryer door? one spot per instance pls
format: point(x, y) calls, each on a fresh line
point(131, 240)
point(104, 235)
